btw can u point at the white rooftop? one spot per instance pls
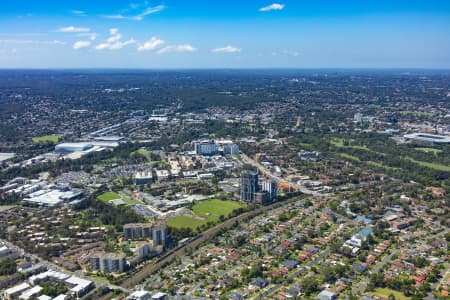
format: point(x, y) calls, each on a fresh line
point(30, 292)
point(16, 289)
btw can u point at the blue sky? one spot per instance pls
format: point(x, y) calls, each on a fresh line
point(225, 34)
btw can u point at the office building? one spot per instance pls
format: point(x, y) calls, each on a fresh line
point(205, 148)
point(270, 186)
point(231, 149)
point(248, 185)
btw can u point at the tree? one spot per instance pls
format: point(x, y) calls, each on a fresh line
point(7, 267)
point(310, 285)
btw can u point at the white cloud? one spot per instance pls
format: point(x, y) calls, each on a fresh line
point(81, 44)
point(286, 53)
point(79, 13)
point(177, 48)
point(291, 53)
point(73, 29)
point(92, 36)
point(274, 6)
point(116, 45)
point(140, 16)
point(114, 41)
point(114, 38)
point(226, 49)
point(151, 44)
point(16, 41)
point(113, 31)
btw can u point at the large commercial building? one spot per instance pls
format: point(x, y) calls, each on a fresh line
point(108, 262)
point(426, 138)
point(206, 147)
point(248, 185)
point(73, 147)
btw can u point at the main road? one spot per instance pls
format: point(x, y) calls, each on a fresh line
point(246, 159)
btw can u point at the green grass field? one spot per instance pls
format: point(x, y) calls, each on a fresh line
point(209, 210)
point(434, 166)
point(428, 150)
point(142, 152)
point(47, 139)
point(385, 292)
point(108, 196)
point(185, 222)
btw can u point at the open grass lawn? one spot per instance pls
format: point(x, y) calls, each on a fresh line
point(47, 139)
point(208, 210)
point(185, 222)
point(99, 278)
point(434, 166)
point(108, 196)
point(385, 292)
point(428, 150)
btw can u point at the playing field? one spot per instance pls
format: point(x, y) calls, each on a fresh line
point(108, 196)
point(385, 292)
point(47, 139)
point(208, 210)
